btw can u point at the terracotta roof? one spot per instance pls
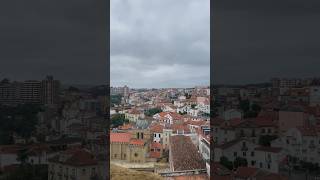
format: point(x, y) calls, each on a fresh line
point(180, 127)
point(191, 177)
point(162, 114)
point(245, 172)
point(10, 149)
point(155, 145)
point(307, 131)
point(10, 168)
point(75, 157)
point(219, 169)
point(229, 144)
point(185, 155)
point(217, 121)
point(195, 123)
point(138, 142)
point(134, 111)
point(126, 127)
point(120, 137)
point(155, 154)
point(268, 149)
point(157, 128)
point(175, 116)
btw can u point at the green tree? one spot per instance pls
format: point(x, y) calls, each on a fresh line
point(240, 162)
point(115, 99)
point(225, 162)
point(22, 156)
point(265, 140)
point(118, 120)
point(152, 111)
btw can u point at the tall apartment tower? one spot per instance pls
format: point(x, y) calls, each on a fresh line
point(126, 91)
point(50, 91)
point(30, 92)
point(9, 92)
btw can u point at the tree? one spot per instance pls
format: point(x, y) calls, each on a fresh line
point(240, 162)
point(265, 140)
point(152, 111)
point(115, 99)
point(225, 162)
point(22, 156)
point(118, 120)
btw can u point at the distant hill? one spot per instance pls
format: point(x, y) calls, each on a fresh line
point(119, 173)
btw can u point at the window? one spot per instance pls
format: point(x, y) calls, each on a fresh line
point(253, 163)
point(269, 130)
point(235, 154)
point(155, 135)
point(83, 171)
point(135, 154)
point(158, 150)
point(243, 143)
point(261, 165)
point(141, 135)
point(252, 153)
point(268, 166)
point(244, 154)
point(115, 155)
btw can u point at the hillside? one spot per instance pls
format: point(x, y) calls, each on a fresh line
point(119, 173)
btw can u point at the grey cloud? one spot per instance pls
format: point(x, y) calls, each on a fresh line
point(58, 37)
point(151, 39)
point(257, 40)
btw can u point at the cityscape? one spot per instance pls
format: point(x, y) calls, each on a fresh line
point(267, 130)
point(52, 131)
point(165, 131)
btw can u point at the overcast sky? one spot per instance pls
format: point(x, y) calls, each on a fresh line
point(257, 40)
point(160, 43)
point(56, 37)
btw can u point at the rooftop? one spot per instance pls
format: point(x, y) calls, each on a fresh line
point(185, 155)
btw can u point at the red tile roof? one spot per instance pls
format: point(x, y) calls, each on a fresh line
point(138, 142)
point(155, 145)
point(245, 172)
point(10, 149)
point(307, 131)
point(126, 127)
point(157, 128)
point(75, 157)
point(184, 153)
point(228, 144)
point(155, 154)
point(120, 137)
point(268, 149)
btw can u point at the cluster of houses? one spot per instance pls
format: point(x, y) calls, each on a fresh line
point(73, 143)
point(280, 139)
point(178, 134)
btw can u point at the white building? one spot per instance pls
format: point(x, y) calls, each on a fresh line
point(314, 96)
point(73, 164)
point(301, 143)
